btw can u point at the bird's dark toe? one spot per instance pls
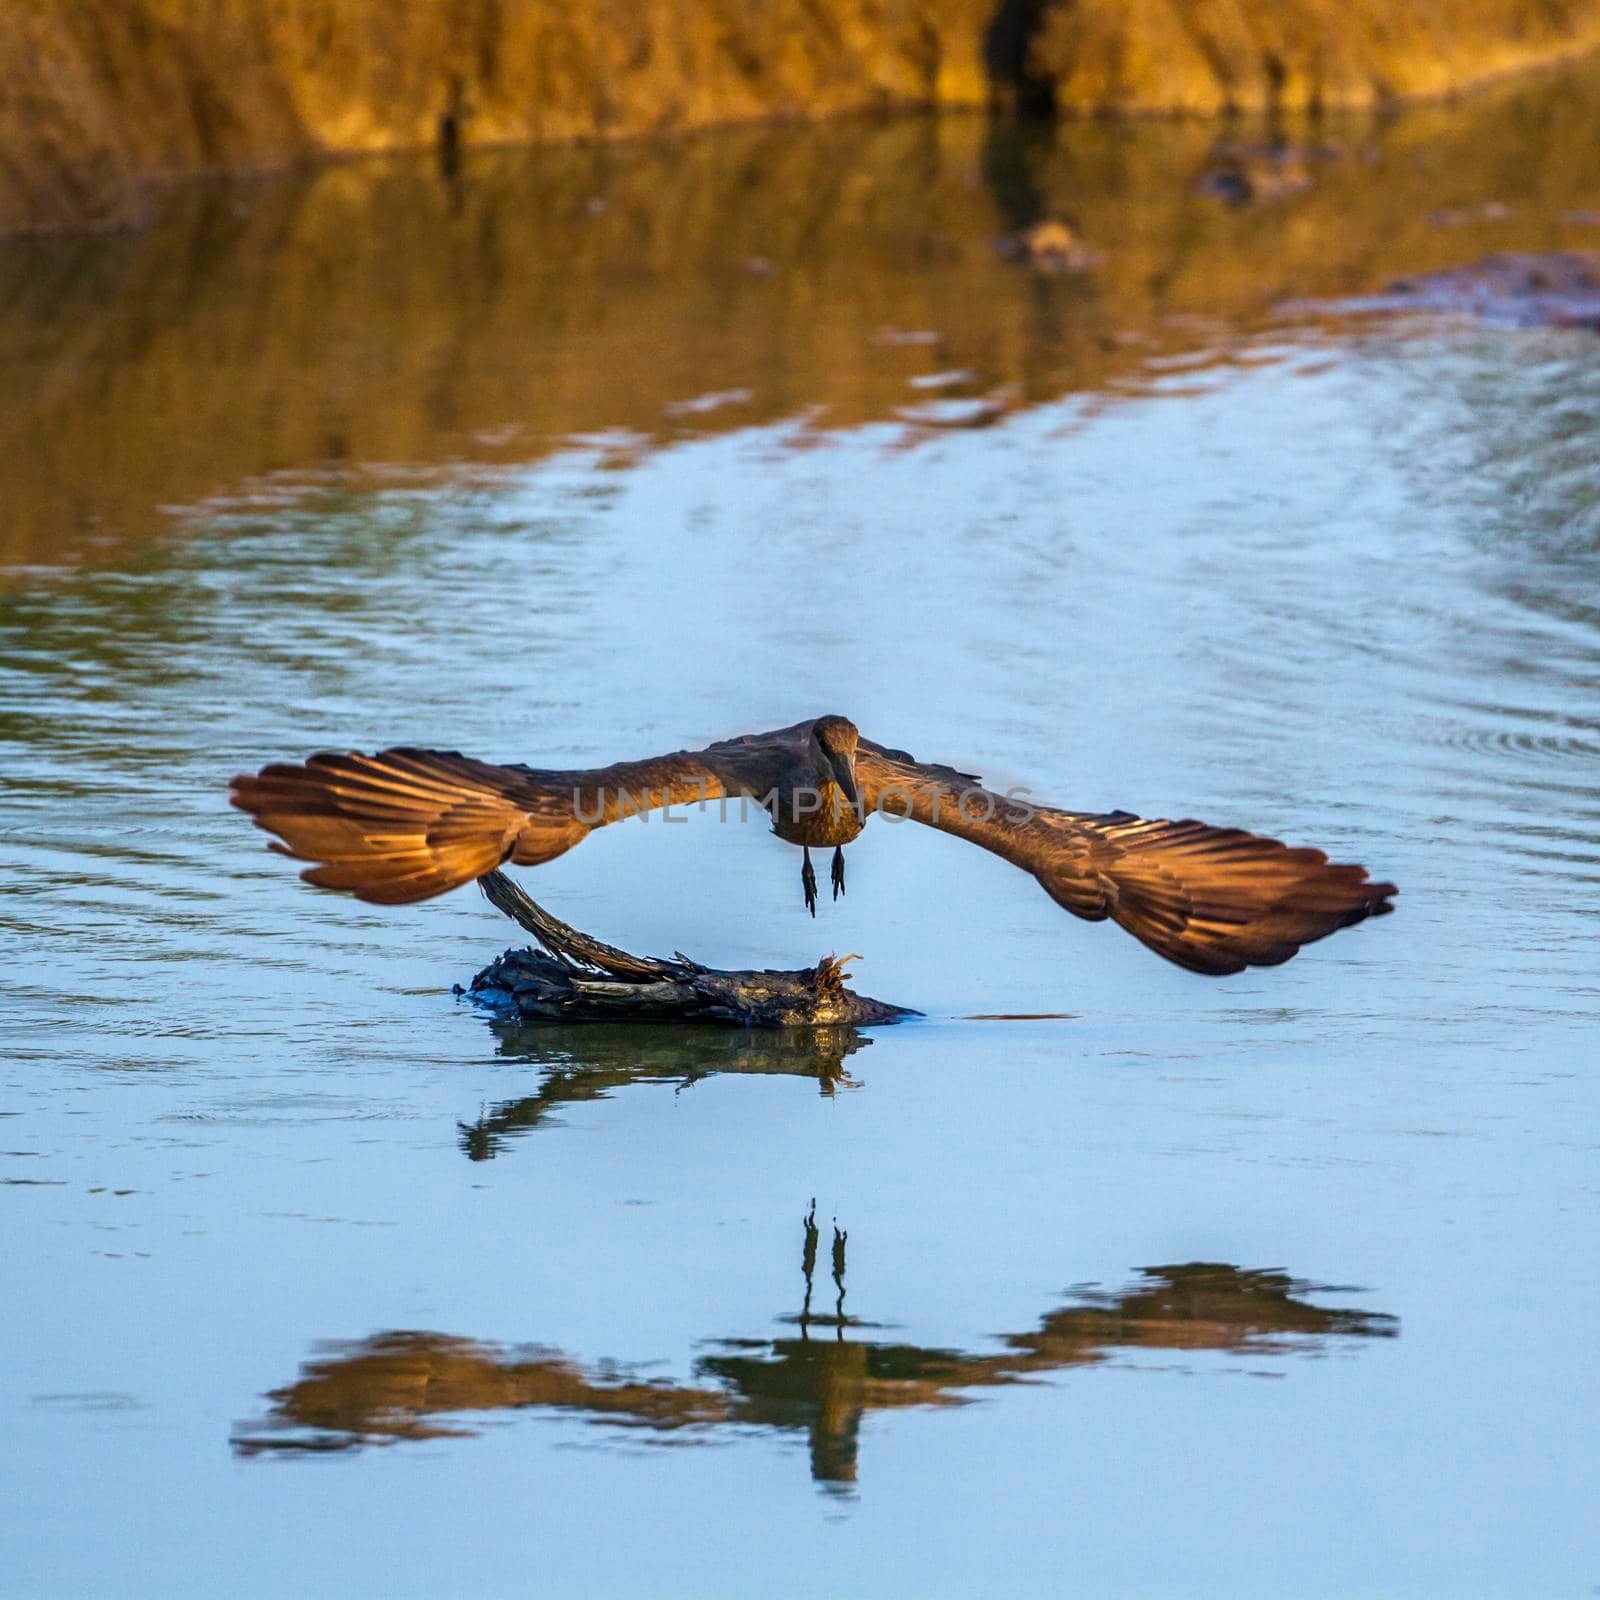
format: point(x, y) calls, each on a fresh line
point(838, 872)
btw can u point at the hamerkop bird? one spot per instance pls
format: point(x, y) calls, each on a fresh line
point(406, 824)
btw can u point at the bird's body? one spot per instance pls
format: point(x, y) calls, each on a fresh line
point(408, 824)
point(835, 822)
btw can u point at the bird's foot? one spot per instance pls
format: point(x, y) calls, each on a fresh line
point(808, 882)
point(838, 872)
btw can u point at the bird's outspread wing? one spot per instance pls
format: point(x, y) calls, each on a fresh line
point(1214, 900)
point(406, 824)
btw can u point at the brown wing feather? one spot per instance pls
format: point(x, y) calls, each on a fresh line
point(405, 824)
point(1214, 900)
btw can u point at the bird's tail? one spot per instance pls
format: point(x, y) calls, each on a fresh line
point(392, 828)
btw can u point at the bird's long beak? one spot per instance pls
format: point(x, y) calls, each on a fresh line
point(844, 775)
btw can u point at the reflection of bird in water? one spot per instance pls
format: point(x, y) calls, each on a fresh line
point(409, 824)
point(591, 1061)
point(403, 1385)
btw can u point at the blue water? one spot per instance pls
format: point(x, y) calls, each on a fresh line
point(322, 1282)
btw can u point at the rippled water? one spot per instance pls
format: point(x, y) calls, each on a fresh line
point(324, 1283)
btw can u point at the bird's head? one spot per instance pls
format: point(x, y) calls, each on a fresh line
point(833, 742)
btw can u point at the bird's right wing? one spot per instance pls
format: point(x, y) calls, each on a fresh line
point(407, 824)
point(1214, 900)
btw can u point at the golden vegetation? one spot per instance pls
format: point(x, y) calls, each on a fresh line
point(1213, 56)
point(98, 96)
point(95, 96)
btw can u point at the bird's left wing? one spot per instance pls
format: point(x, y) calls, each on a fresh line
point(1214, 900)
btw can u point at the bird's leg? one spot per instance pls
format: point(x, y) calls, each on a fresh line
point(808, 882)
point(838, 871)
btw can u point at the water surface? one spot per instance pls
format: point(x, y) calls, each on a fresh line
point(324, 1283)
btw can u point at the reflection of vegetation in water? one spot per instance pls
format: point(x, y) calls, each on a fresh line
point(818, 1381)
point(591, 1062)
point(379, 313)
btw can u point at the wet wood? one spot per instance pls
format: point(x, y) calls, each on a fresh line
point(575, 978)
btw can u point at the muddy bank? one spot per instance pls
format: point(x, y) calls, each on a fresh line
point(373, 323)
point(98, 98)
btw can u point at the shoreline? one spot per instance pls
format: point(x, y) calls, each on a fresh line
point(102, 106)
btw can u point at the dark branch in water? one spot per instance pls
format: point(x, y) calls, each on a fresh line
point(576, 978)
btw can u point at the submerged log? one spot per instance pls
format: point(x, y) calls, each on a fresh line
point(575, 978)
